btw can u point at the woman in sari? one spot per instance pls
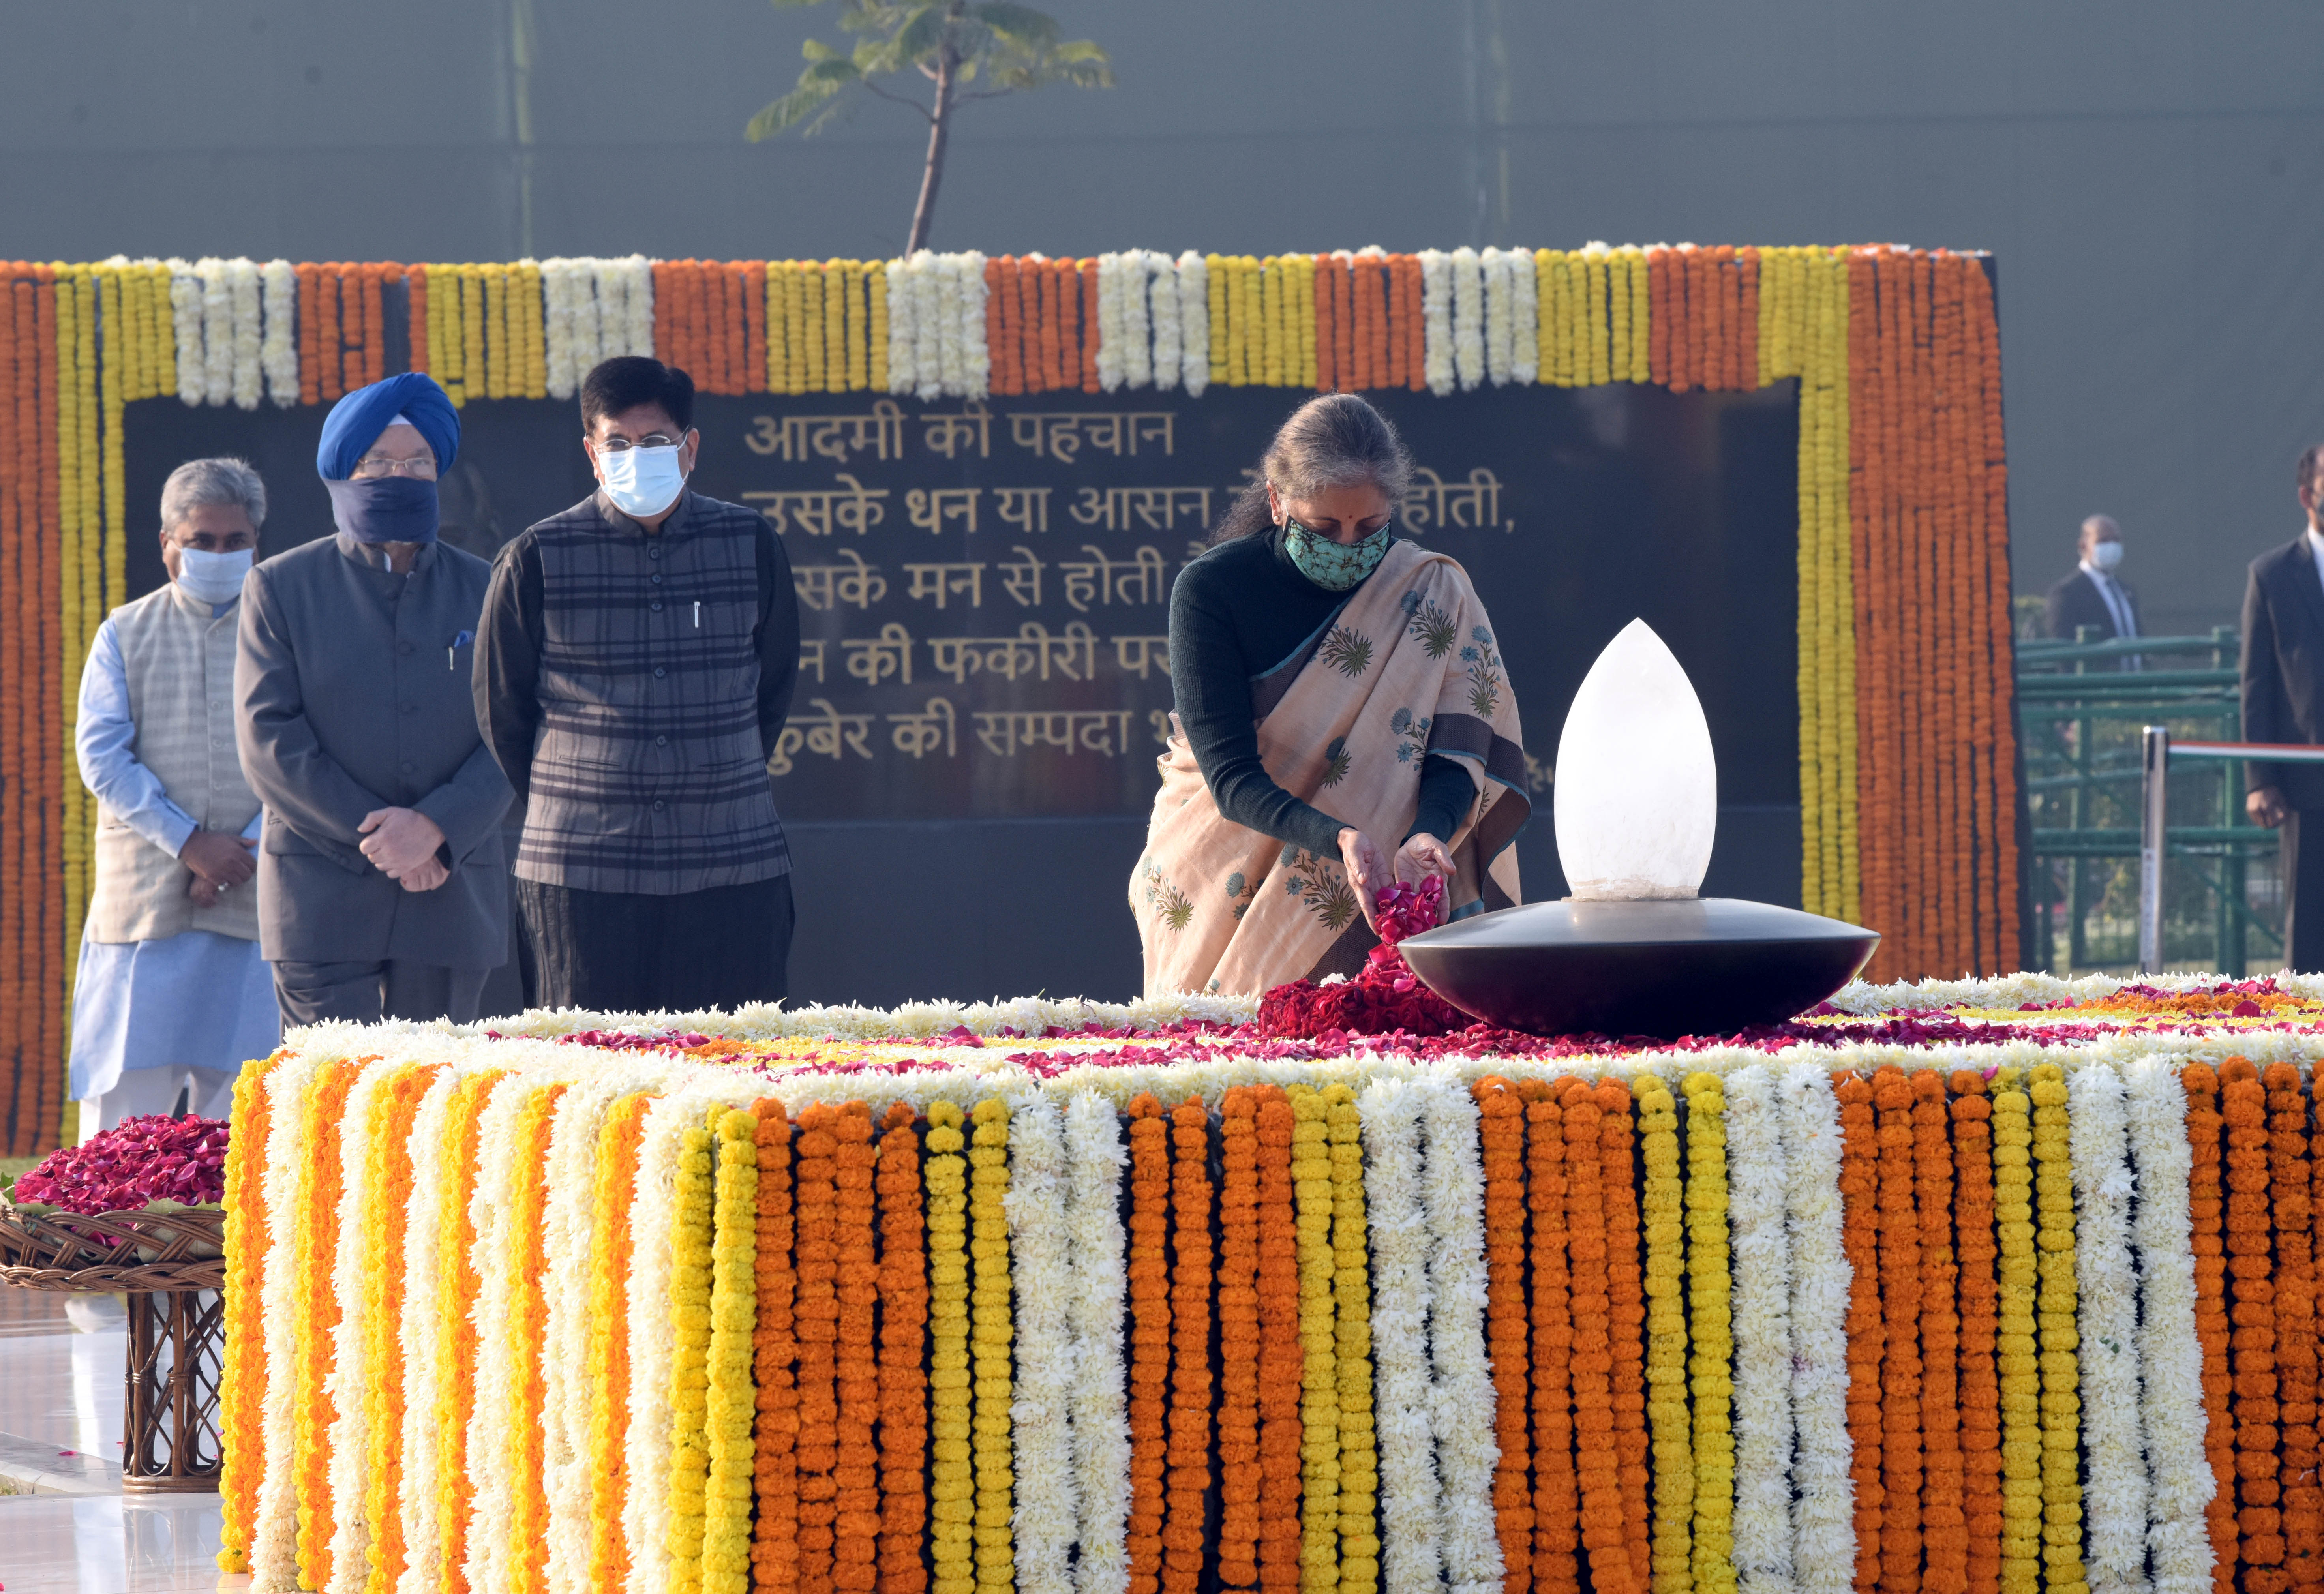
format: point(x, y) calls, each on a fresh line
point(1344, 720)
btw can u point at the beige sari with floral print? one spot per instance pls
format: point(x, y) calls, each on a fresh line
point(1406, 666)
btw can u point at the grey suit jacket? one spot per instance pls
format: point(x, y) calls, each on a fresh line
point(354, 688)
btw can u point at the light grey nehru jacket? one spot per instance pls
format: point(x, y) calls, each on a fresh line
point(353, 685)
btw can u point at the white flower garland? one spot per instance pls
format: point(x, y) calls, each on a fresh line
point(1758, 1187)
point(218, 330)
point(2170, 1357)
point(637, 303)
point(1466, 1450)
point(1112, 323)
point(557, 295)
point(358, 1256)
point(277, 353)
point(589, 319)
point(1823, 1519)
point(903, 328)
point(1040, 1264)
point(1195, 322)
point(274, 1535)
point(566, 1221)
point(1101, 1418)
point(186, 327)
point(2115, 1494)
point(491, 1469)
point(1436, 321)
point(976, 349)
point(645, 1508)
point(243, 288)
point(1497, 268)
point(1468, 316)
point(1524, 318)
point(423, 1219)
point(934, 323)
point(1153, 322)
point(1412, 1555)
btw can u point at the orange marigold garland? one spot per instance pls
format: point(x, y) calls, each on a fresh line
point(816, 1318)
point(2206, 1207)
point(2295, 1321)
point(242, 1394)
point(903, 1349)
point(1900, 1306)
point(1859, 1189)
point(1281, 1360)
point(1556, 1500)
point(1501, 1137)
point(1625, 1289)
point(855, 1471)
point(319, 1306)
point(1943, 1528)
point(952, 1482)
point(1241, 1472)
point(527, 1322)
point(1980, 1323)
point(1184, 1527)
point(2251, 1290)
point(611, 1249)
point(774, 1545)
point(1597, 1463)
point(1150, 1338)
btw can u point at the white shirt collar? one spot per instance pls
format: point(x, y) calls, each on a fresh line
point(2315, 546)
point(2093, 571)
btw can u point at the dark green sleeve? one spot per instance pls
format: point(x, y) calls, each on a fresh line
point(1447, 791)
point(1210, 680)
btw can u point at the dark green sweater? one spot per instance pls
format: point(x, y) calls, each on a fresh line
point(1236, 613)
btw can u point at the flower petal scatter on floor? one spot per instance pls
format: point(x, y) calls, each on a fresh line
point(2000, 1286)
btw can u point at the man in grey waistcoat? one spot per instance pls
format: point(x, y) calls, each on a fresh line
point(634, 667)
point(171, 996)
point(382, 886)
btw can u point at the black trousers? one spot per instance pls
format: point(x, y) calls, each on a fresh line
point(2303, 892)
point(364, 993)
point(625, 952)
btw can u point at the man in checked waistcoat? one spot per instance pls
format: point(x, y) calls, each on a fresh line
point(634, 666)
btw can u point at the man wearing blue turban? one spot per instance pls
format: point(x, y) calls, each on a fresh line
point(382, 886)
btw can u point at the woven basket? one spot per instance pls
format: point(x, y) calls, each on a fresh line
point(149, 1251)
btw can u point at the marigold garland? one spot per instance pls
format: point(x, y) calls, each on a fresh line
point(952, 1489)
point(689, 1380)
point(903, 1349)
point(1901, 1308)
point(989, 1315)
point(2206, 1210)
point(2054, 1206)
point(1980, 1327)
point(608, 1368)
point(2018, 1355)
point(2290, 1216)
point(1501, 1139)
point(1667, 1412)
point(319, 1309)
point(1557, 1499)
point(1859, 1189)
point(1944, 1536)
point(242, 1392)
point(1625, 1293)
point(855, 1471)
point(1241, 1473)
point(1711, 1332)
point(1282, 1356)
point(733, 1321)
point(528, 1312)
point(1597, 1468)
point(1149, 1339)
point(1351, 1307)
point(1184, 1529)
point(815, 1318)
point(1319, 1411)
point(2252, 1294)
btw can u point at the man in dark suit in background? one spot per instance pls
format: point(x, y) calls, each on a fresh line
point(2283, 701)
point(2093, 595)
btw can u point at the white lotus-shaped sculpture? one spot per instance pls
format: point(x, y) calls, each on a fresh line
point(1637, 792)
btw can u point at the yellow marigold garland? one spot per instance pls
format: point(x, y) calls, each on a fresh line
point(526, 306)
point(1667, 1418)
point(876, 279)
point(609, 1249)
point(1214, 281)
point(2061, 1426)
point(1252, 276)
point(1303, 267)
point(834, 325)
point(803, 364)
point(475, 358)
point(952, 1489)
point(1709, 1295)
point(242, 1392)
point(1319, 1409)
point(2017, 1356)
point(1360, 1544)
point(732, 1395)
point(990, 1312)
point(690, 1320)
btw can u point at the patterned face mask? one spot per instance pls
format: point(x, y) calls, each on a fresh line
point(1335, 567)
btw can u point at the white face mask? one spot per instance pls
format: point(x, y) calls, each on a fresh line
point(214, 578)
point(2106, 556)
point(642, 482)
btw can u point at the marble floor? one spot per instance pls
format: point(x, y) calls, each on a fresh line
point(65, 1527)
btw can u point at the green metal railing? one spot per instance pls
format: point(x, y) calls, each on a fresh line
point(2080, 717)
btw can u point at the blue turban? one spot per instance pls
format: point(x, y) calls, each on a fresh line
point(355, 421)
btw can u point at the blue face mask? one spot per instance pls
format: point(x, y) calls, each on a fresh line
point(642, 482)
point(388, 509)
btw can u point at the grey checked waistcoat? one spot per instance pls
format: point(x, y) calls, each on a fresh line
point(178, 663)
point(647, 774)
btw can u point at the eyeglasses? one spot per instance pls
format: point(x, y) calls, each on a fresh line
point(373, 466)
point(622, 444)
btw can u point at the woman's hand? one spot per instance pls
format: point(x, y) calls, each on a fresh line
point(1421, 857)
point(1368, 870)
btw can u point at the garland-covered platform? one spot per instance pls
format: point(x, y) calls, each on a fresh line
point(1995, 1287)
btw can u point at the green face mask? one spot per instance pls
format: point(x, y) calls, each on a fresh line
point(1335, 567)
